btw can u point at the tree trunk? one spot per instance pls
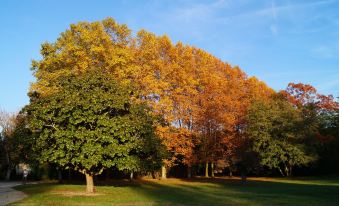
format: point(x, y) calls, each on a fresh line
point(281, 172)
point(206, 170)
point(131, 176)
point(243, 177)
point(89, 183)
point(288, 171)
point(231, 173)
point(59, 175)
point(8, 173)
point(69, 175)
point(212, 169)
point(163, 172)
point(153, 175)
point(189, 171)
point(9, 169)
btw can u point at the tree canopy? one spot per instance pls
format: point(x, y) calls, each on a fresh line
point(91, 123)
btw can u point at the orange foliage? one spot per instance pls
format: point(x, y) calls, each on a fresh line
point(304, 94)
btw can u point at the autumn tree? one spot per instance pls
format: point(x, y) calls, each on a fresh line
point(319, 114)
point(312, 105)
point(89, 124)
point(316, 110)
point(80, 48)
point(167, 84)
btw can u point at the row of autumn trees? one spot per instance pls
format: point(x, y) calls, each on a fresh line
point(105, 98)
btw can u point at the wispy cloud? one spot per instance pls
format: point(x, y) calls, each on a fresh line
point(295, 13)
point(322, 52)
point(273, 27)
point(275, 10)
point(199, 11)
point(193, 18)
point(199, 15)
point(325, 52)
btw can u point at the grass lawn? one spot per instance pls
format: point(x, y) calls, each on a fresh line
point(211, 192)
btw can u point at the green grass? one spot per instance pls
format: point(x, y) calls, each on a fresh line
point(257, 191)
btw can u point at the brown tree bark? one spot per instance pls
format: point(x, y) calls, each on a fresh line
point(212, 169)
point(89, 183)
point(60, 175)
point(189, 171)
point(8, 173)
point(163, 172)
point(9, 168)
point(206, 170)
point(131, 176)
point(281, 172)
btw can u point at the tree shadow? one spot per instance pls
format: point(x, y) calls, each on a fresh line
point(203, 191)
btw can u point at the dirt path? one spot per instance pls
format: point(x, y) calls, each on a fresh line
point(8, 194)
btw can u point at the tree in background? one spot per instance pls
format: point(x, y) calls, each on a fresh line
point(319, 125)
point(7, 126)
point(273, 128)
point(329, 143)
point(15, 141)
point(91, 123)
point(314, 107)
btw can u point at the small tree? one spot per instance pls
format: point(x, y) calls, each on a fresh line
point(89, 124)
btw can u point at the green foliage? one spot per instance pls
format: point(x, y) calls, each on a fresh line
point(90, 124)
point(274, 129)
point(22, 141)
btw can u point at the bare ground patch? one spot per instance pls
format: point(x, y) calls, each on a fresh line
point(74, 193)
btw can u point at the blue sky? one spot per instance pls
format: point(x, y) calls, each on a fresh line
point(276, 41)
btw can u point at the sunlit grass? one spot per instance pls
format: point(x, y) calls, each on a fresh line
point(198, 191)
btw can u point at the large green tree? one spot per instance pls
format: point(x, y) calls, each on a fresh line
point(91, 123)
point(274, 129)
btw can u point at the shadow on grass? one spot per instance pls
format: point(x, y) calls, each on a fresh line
point(203, 191)
point(200, 191)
